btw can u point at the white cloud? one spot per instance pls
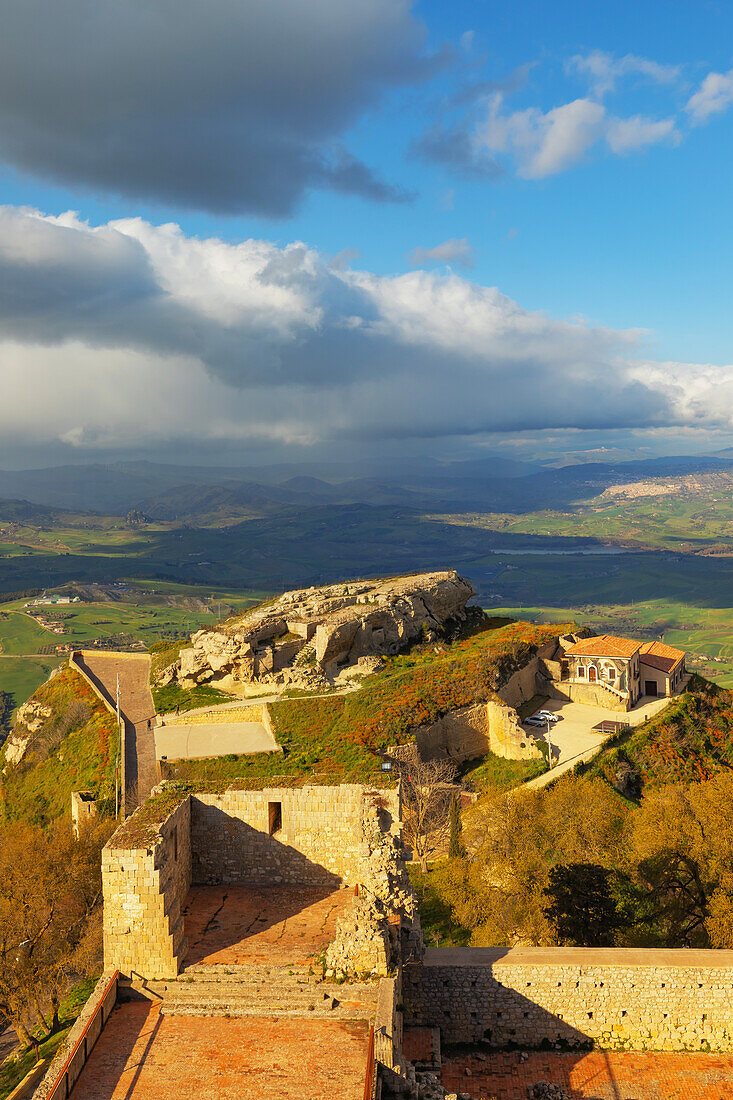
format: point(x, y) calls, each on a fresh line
point(454, 251)
point(545, 143)
point(626, 135)
point(130, 335)
point(604, 69)
point(714, 95)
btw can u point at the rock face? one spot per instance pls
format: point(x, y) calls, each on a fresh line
point(312, 635)
point(29, 720)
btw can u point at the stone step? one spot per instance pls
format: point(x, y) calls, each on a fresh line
point(316, 1012)
point(233, 1005)
point(208, 973)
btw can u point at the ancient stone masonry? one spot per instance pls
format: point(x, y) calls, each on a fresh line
point(324, 836)
point(382, 927)
point(309, 636)
point(145, 889)
point(280, 835)
point(489, 726)
point(651, 999)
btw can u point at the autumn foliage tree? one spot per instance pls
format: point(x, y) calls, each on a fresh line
point(50, 893)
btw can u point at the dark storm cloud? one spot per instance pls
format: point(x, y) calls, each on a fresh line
point(453, 148)
point(231, 106)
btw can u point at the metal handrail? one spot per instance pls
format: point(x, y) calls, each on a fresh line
point(369, 1079)
point(82, 1038)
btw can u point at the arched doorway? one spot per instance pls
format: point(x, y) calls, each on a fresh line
point(592, 674)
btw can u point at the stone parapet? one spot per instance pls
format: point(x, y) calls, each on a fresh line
point(609, 998)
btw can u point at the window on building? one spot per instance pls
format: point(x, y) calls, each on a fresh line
point(581, 671)
point(275, 816)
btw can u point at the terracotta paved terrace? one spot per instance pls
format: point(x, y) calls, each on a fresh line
point(261, 925)
point(142, 1055)
point(598, 1075)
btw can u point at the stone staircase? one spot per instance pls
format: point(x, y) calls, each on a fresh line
point(306, 656)
point(258, 991)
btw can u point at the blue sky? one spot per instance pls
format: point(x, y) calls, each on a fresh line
point(574, 156)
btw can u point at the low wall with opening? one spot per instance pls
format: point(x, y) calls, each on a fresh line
point(615, 998)
point(284, 835)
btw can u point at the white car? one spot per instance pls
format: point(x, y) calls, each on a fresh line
point(547, 716)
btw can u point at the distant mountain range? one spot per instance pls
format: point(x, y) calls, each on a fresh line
point(206, 496)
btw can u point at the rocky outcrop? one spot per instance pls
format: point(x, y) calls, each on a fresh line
point(31, 718)
point(310, 636)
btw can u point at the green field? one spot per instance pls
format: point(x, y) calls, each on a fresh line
point(147, 613)
point(20, 676)
point(685, 519)
point(21, 634)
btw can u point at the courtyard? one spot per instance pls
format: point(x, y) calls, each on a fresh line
point(144, 1055)
point(575, 737)
point(261, 925)
point(596, 1075)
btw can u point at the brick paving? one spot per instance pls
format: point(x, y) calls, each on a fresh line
point(256, 925)
point(142, 1055)
point(598, 1075)
point(136, 704)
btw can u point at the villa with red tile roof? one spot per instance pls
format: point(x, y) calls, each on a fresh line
point(627, 668)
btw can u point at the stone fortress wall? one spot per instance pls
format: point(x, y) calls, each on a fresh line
point(319, 836)
point(612, 998)
point(311, 835)
point(145, 888)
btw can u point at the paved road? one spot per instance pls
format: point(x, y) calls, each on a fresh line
point(138, 711)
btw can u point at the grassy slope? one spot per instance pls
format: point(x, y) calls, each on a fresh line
point(691, 740)
point(339, 739)
point(75, 750)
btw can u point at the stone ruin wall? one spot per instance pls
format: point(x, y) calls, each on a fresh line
point(145, 891)
point(321, 838)
point(493, 726)
point(626, 999)
point(329, 836)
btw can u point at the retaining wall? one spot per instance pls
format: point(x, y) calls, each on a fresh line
point(593, 695)
point(470, 732)
point(612, 998)
point(66, 1067)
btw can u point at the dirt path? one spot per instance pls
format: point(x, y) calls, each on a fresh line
point(138, 711)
